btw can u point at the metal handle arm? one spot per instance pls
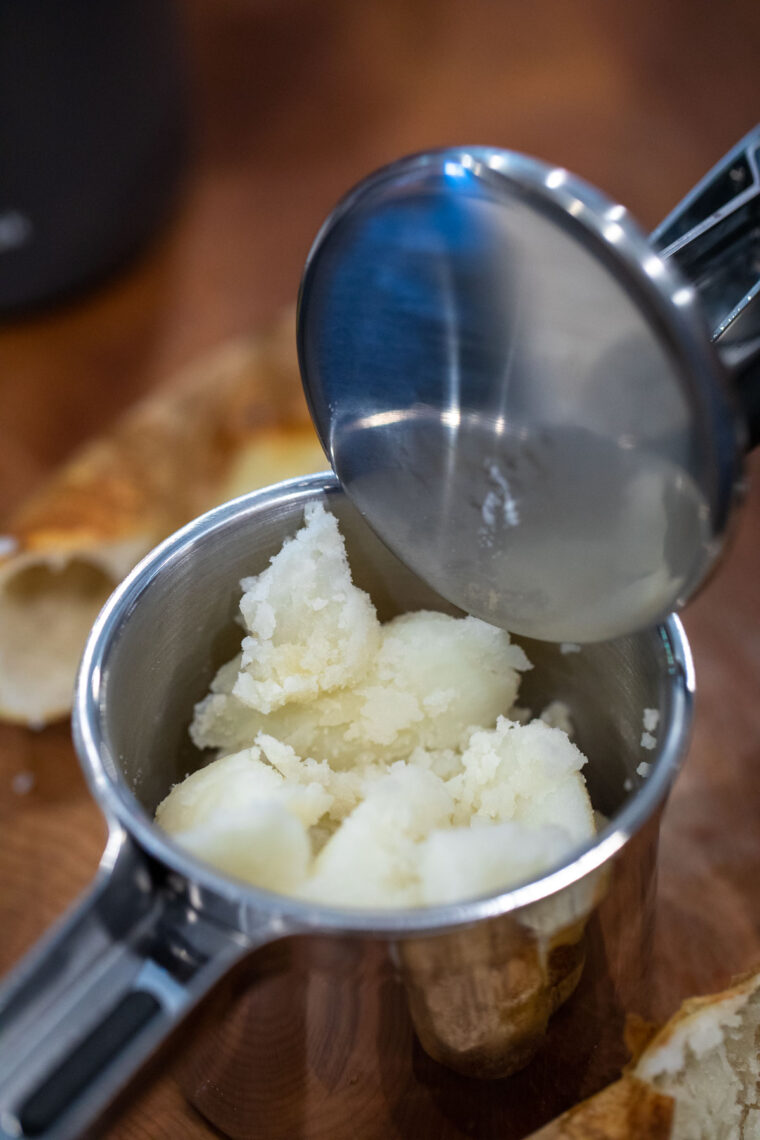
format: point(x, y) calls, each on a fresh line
point(86, 1009)
point(714, 237)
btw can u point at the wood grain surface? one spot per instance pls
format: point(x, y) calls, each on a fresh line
point(293, 101)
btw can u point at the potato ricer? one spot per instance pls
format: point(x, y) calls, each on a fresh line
point(542, 411)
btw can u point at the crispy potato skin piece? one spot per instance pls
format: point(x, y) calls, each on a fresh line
point(627, 1110)
point(231, 422)
point(631, 1108)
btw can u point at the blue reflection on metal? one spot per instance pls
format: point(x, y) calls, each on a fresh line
point(413, 287)
point(454, 170)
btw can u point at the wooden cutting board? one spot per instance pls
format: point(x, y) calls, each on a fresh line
point(294, 101)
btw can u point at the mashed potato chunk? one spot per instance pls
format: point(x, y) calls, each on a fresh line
point(363, 764)
point(310, 630)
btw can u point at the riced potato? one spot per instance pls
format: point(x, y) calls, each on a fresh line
point(368, 764)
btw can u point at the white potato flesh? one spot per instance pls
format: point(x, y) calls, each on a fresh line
point(234, 784)
point(383, 751)
point(266, 845)
point(529, 773)
point(433, 679)
point(373, 857)
point(310, 629)
point(478, 860)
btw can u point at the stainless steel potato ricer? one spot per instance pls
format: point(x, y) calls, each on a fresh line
point(542, 411)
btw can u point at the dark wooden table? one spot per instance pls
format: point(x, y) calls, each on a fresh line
point(294, 100)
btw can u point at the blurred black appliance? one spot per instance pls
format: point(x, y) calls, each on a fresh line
point(92, 130)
